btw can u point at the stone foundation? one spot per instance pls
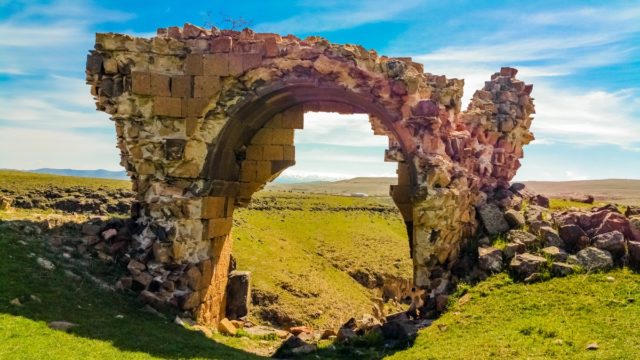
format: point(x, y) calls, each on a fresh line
point(205, 117)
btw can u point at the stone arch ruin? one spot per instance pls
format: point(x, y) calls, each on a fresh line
point(204, 118)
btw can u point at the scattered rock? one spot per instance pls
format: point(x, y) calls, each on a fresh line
point(593, 346)
point(574, 237)
point(90, 229)
point(555, 253)
point(490, 259)
point(5, 203)
point(15, 302)
point(514, 218)
point(493, 219)
point(612, 242)
point(593, 258)
point(399, 327)
point(45, 264)
point(541, 200)
point(633, 248)
point(238, 294)
point(562, 269)
point(297, 330)
point(526, 264)
point(550, 237)
point(61, 325)
point(520, 236)
point(328, 333)
point(513, 248)
point(227, 328)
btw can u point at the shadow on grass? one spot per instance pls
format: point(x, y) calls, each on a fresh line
point(103, 315)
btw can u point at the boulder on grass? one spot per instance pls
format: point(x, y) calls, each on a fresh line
point(593, 259)
point(550, 237)
point(634, 254)
point(574, 237)
point(612, 242)
point(555, 253)
point(490, 259)
point(514, 218)
point(523, 265)
point(529, 240)
point(493, 219)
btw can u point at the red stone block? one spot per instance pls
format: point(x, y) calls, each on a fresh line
point(160, 85)
point(181, 86)
point(222, 44)
point(167, 106)
point(195, 107)
point(271, 47)
point(141, 82)
point(206, 86)
point(235, 64)
point(193, 64)
point(216, 64)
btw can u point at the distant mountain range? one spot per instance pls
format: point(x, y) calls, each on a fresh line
point(99, 173)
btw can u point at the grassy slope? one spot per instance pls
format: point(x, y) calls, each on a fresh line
point(25, 335)
point(555, 319)
point(311, 252)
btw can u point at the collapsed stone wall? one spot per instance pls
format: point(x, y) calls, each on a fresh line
point(205, 117)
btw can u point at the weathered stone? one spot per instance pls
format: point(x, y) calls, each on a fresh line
point(490, 259)
point(593, 258)
point(493, 219)
point(513, 248)
point(5, 203)
point(526, 238)
point(550, 237)
point(574, 237)
point(514, 218)
point(633, 248)
point(239, 294)
point(526, 264)
point(562, 269)
point(612, 242)
point(227, 328)
point(555, 253)
point(62, 325)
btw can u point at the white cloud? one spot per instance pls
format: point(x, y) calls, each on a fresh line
point(32, 148)
point(342, 15)
point(339, 129)
point(55, 102)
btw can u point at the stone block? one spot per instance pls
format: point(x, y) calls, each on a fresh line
point(263, 170)
point(206, 86)
point(238, 294)
point(289, 153)
point(141, 83)
point(235, 64)
point(293, 118)
point(160, 85)
point(110, 66)
point(248, 171)
point(271, 47)
point(227, 328)
point(282, 136)
point(181, 86)
point(254, 152)
point(219, 227)
point(193, 64)
point(222, 44)
point(167, 106)
point(217, 207)
point(273, 152)
point(216, 64)
point(191, 125)
point(251, 61)
point(195, 107)
point(263, 137)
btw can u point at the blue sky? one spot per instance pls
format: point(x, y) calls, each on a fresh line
point(582, 56)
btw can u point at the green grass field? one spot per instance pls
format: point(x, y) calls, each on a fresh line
point(301, 248)
point(21, 181)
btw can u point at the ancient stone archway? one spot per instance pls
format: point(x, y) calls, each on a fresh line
point(204, 118)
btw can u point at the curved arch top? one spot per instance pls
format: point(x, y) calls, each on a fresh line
point(250, 115)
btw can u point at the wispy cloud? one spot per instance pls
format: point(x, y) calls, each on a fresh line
point(341, 15)
point(337, 129)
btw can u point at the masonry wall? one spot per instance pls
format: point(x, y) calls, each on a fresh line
point(205, 117)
